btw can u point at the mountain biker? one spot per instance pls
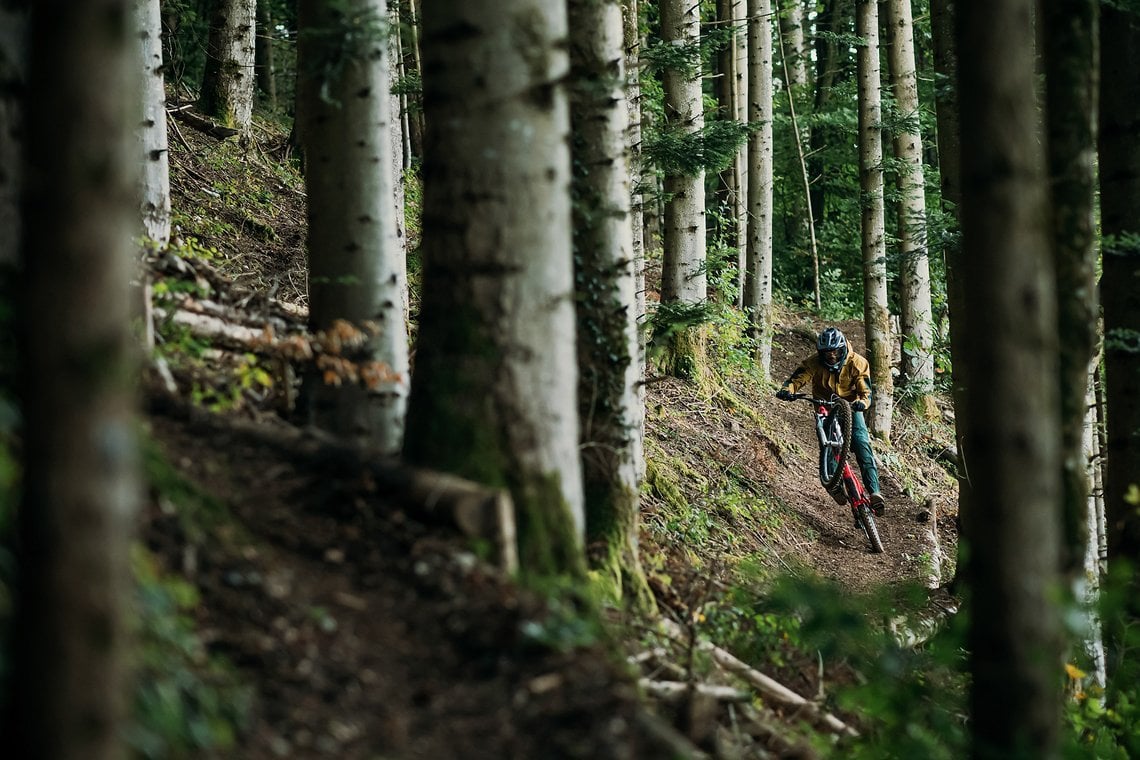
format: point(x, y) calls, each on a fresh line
point(836, 370)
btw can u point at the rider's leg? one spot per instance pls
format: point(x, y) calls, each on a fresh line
point(861, 443)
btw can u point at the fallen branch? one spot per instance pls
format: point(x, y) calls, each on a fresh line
point(675, 691)
point(201, 123)
point(766, 686)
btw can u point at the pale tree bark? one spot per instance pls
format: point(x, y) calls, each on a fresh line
point(1070, 34)
point(914, 263)
point(494, 394)
point(740, 163)
point(758, 273)
point(876, 315)
point(683, 267)
point(399, 159)
point(13, 77)
point(792, 30)
point(1087, 586)
point(1119, 165)
point(1010, 369)
point(80, 488)
point(631, 30)
point(152, 130)
point(611, 418)
point(413, 67)
point(266, 67)
point(354, 256)
point(728, 186)
point(227, 82)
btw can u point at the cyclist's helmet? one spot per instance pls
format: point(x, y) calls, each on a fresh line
point(832, 340)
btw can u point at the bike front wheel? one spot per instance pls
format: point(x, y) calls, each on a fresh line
point(867, 522)
point(833, 453)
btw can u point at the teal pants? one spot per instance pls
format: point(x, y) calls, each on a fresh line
point(861, 443)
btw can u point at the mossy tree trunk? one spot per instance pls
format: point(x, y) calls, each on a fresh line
point(355, 263)
point(1010, 369)
point(876, 314)
point(228, 79)
point(611, 417)
point(80, 465)
point(494, 393)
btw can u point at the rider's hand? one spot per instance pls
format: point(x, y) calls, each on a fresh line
point(784, 394)
point(858, 406)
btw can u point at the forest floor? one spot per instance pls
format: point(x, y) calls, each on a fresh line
point(364, 633)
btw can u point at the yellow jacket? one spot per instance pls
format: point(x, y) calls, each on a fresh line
point(852, 382)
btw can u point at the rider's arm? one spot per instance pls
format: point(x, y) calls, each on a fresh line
point(800, 377)
point(862, 382)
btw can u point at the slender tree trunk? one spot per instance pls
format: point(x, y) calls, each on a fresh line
point(740, 163)
point(942, 23)
point(876, 315)
point(152, 131)
point(631, 20)
point(1010, 369)
point(13, 79)
point(1119, 199)
point(758, 279)
point(494, 395)
point(227, 82)
point(914, 267)
point(1070, 31)
point(611, 418)
point(80, 465)
point(683, 267)
point(398, 158)
point(1087, 587)
point(263, 54)
point(414, 71)
point(728, 189)
point(792, 31)
point(826, 68)
point(355, 267)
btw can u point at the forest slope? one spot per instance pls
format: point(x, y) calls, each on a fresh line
point(362, 632)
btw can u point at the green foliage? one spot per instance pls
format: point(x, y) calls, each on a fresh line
point(674, 150)
point(667, 320)
point(570, 617)
point(186, 702)
point(841, 295)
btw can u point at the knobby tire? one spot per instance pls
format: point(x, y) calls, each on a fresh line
point(831, 460)
point(867, 519)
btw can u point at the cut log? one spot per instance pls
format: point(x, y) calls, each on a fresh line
point(675, 691)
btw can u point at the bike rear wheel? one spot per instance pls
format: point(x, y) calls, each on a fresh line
point(832, 456)
point(867, 521)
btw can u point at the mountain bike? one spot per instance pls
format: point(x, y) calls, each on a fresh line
point(833, 428)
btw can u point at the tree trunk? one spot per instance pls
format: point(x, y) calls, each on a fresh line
point(740, 163)
point(792, 30)
point(758, 275)
point(355, 268)
point(876, 315)
point(152, 131)
point(80, 474)
point(227, 82)
point(1070, 91)
point(13, 78)
point(1119, 199)
point(413, 69)
point(1010, 370)
point(914, 267)
point(263, 54)
point(942, 22)
point(727, 187)
point(683, 266)
point(611, 419)
point(494, 395)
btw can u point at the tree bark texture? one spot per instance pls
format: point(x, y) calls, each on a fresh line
point(13, 79)
point(355, 266)
point(494, 394)
point(758, 274)
point(914, 263)
point(1119, 199)
point(876, 315)
point(1071, 35)
point(80, 480)
point(683, 266)
point(1010, 370)
point(152, 129)
point(792, 28)
point(227, 82)
point(611, 418)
